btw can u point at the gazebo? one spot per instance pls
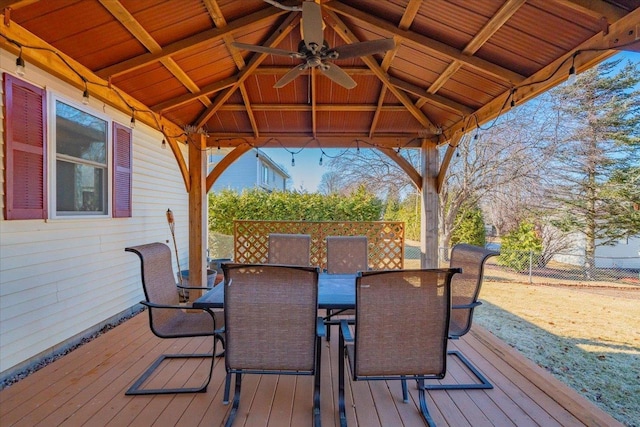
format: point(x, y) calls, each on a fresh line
point(200, 74)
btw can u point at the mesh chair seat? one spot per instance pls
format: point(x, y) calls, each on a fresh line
point(289, 249)
point(167, 318)
point(271, 324)
point(465, 290)
point(401, 328)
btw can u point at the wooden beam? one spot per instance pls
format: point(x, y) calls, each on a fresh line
point(215, 34)
point(489, 29)
point(410, 12)
point(318, 107)
point(133, 26)
point(314, 99)
point(58, 65)
point(189, 97)
point(421, 42)
point(276, 37)
point(595, 8)
point(434, 99)
point(225, 163)
point(345, 33)
point(453, 145)
point(297, 140)
point(404, 164)
point(590, 53)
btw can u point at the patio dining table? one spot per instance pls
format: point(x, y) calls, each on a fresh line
point(335, 292)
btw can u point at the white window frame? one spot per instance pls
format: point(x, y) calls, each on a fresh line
point(52, 99)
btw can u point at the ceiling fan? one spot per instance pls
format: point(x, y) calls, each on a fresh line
point(315, 51)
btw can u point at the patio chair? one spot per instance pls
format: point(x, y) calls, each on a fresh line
point(346, 255)
point(289, 249)
point(465, 289)
point(272, 324)
point(402, 322)
point(169, 319)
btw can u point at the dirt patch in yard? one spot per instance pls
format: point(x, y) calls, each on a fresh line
point(586, 336)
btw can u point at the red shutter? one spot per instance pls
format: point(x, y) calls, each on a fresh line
point(121, 171)
point(25, 150)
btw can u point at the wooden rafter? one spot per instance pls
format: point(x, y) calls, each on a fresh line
point(215, 34)
point(219, 20)
point(345, 33)
point(591, 52)
point(408, 16)
point(283, 30)
point(595, 8)
point(498, 20)
point(422, 42)
point(133, 26)
point(407, 167)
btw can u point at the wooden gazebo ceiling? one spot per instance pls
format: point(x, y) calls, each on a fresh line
point(456, 64)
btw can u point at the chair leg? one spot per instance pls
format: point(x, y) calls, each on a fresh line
point(236, 400)
point(328, 317)
point(227, 387)
point(423, 404)
point(341, 361)
point(483, 384)
point(136, 390)
point(405, 390)
point(316, 384)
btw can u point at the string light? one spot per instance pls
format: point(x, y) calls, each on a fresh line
point(513, 98)
point(572, 71)
point(164, 144)
point(20, 64)
point(257, 153)
point(85, 94)
point(132, 124)
point(320, 162)
point(293, 160)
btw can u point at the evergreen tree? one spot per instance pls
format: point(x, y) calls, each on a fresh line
point(598, 144)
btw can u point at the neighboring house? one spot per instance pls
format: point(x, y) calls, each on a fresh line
point(253, 169)
point(78, 185)
point(624, 254)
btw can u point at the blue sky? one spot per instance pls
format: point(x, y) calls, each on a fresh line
point(307, 172)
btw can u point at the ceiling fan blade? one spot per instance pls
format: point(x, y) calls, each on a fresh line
point(312, 25)
point(337, 74)
point(268, 50)
point(292, 74)
point(361, 49)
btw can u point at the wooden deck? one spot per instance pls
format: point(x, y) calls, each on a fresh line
point(86, 387)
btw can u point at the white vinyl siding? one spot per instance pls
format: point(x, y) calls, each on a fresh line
point(61, 277)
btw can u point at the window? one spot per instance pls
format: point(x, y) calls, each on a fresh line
point(82, 165)
point(265, 174)
point(81, 162)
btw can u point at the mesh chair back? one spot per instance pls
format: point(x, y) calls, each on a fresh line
point(465, 287)
point(402, 322)
point(159, 287)
point(346, 254)
point(289, 249)
point(270, 317)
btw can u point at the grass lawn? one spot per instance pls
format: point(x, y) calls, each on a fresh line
point(587, 338)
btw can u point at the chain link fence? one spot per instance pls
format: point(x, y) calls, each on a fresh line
point(568, 269)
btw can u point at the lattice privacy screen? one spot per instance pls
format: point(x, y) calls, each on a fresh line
point(386, 240)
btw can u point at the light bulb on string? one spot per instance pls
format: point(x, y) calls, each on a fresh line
point(132, 124)
point(572, 75)
point(85, 97)
point(20, 65)
point(320, 162)
point(293, 160)
point(164, 144)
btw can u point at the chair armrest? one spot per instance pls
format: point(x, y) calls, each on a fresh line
point(321, 329)
point(193, 287)
point(345, 331)
point(466, 306)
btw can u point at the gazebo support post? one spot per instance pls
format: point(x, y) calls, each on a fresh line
point(197, 213)
point(429, 205)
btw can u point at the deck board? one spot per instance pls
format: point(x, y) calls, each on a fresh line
point(86, 387)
